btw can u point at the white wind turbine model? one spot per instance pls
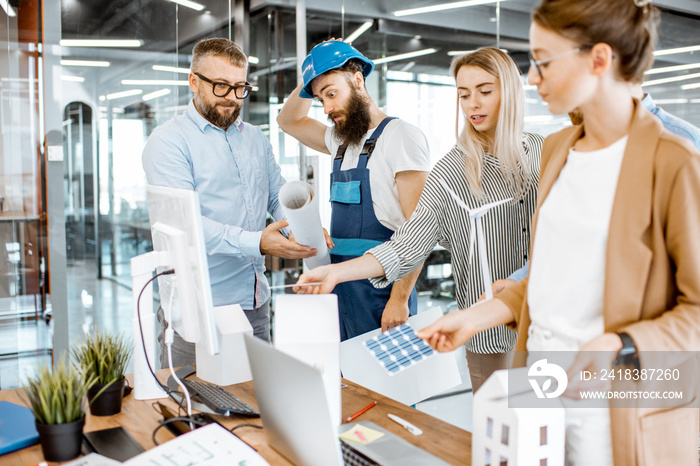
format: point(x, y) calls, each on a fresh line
point(475, 219)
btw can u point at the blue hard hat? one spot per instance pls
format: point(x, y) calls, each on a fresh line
point(327, 56)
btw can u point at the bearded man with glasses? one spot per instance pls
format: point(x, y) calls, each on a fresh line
point(230, 164)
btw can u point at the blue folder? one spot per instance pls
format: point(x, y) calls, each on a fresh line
point(17, 428)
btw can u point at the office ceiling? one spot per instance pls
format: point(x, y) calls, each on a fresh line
point(156, 22)
point(166, 28)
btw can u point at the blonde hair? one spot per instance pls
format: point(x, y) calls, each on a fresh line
point(508, 142)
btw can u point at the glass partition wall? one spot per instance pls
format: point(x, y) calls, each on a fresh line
point(84, 83)
point(24, 333)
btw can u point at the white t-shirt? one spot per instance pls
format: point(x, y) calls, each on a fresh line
point(567, 273)
point(401, 147)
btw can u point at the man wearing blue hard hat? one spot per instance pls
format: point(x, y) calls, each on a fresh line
point(380, 167)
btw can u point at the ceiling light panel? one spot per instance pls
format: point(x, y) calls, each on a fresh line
point(442, 7)
point(8, 9)
point(87, 63)
point(171, 69)
point(100, 43)
point(189, 4)
point(359, 31)
point(454, 53)
point(671, 69)
point(119, 95)
point(156, 94)
point(673, 79)
point(693, 48)
point(404, 56)
point(154, 82)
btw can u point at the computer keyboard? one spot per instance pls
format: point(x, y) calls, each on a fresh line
point(352, 457)
point(219, 399)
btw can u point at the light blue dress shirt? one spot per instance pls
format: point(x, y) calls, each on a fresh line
point(672, 122)
point(520, 273)
point(238, 180)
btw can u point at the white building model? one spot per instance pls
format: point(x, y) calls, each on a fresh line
point(507, 436)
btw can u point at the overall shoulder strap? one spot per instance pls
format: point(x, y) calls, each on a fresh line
point(367, 148)
point(370, 143)
point(339, 155)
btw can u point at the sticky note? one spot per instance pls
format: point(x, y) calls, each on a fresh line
point(361, 434)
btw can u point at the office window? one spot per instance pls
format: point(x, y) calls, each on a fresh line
point(489, 427)
point(543, 435)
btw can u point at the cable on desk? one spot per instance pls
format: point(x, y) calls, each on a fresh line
point(244, 425)
point(128, 389)
point(176, 419)
point(241, 438)
point(143, 342)
point(156, 408)
point(169, 336)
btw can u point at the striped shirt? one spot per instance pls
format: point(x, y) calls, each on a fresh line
point(439, 219)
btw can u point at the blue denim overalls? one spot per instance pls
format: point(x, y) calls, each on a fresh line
point(355, 229)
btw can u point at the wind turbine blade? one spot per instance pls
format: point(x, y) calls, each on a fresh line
point(485, 269)
point(475, 224)
point(485, 208)
point(472, 238)
point(454, 196)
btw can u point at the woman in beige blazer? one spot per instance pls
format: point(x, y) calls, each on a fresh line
point(645, 245)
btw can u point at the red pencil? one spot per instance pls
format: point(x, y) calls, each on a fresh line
point(363, 410)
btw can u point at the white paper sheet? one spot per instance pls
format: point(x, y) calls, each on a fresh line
point(300, 206)
point(210, 445)
point(93, 459)
point(307, 327)
point(418, 382)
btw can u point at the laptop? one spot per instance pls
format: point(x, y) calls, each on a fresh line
point(297, 421)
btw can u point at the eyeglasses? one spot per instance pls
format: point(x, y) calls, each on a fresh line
point(223, 89)
point(536, 63)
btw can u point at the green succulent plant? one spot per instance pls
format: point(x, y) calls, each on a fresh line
point(103, 355)
point(56, 394)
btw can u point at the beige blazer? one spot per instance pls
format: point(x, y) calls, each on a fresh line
point(652, 279)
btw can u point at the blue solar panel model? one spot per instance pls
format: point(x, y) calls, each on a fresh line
point(398, 349)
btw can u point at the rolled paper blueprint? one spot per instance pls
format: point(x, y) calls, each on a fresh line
point(301, 209)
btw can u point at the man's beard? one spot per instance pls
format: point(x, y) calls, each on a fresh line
point(209, 111)
point(356, 119)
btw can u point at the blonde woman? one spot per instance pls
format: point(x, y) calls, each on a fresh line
point(493, 159)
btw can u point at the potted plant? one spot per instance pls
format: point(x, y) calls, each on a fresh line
point(105, 356)
point(55, 396)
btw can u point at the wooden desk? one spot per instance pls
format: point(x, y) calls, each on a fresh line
point(443, 440)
